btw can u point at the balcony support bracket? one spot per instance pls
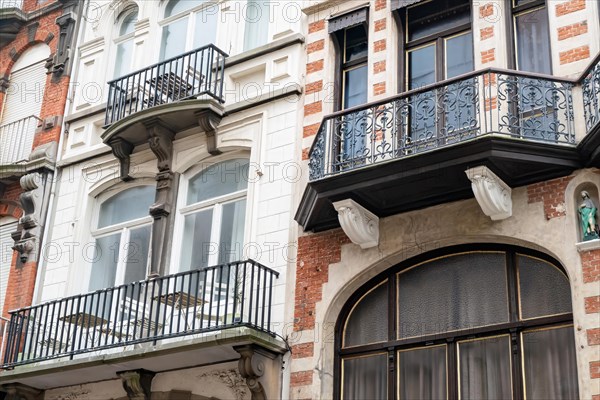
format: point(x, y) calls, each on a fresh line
point(492, 193)
point(253, 364)
point(137, 383)
point(359, 224)
point(208, 121)
point(122, 150)
point(17, 391)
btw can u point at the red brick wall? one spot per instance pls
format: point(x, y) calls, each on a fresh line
point(552, 194)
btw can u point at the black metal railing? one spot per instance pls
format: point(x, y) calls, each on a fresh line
point(492, 101)
point(16, 139)
point(204, 300)
point(591, 94)
point(190, 75)
point(11, 4)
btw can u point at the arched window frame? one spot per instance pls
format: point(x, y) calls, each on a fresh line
point(123, 228)
point(393, 346)
point(124, 39)
point(215, 203)
point(192, 14)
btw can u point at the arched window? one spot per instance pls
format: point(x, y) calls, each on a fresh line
point(122, 238)
point(494, 323)
point(124, 42)
point(187, 25)
point(214, 215)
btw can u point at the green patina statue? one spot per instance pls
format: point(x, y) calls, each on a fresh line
point(588, 211)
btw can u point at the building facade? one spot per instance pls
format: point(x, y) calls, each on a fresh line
point(446, 248)
point(164, 273)
point(35, 53)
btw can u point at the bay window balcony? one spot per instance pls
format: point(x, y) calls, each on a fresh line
point(12, 18)
point(16, 140)
point(412, 150)
point(228, 303)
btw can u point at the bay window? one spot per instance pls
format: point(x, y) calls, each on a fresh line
point(532, 36)
point(187, 25)
point(486, 322)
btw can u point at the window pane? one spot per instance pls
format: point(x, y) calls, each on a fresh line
point(470, 292)
point(205, 30)
point(173, 39)
point(533, 42)
point(104, 266)
point(485, 369)
point(423, 373)
point(421, 67)
point(231, 243)
point(459, 55)
point(136, 258)
point(127, 205)
point(196, 245)
point(177, 6)
point(218, 180)
point(128, 25)
point(365, 378)
point(437, 16)
point(257, 24)
point(544, 290)
point(355, 86)
point(123, 59)
point(549, 364)
point(355, 43)
point(368, 320)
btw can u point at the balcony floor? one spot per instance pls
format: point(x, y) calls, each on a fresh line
point(435, 177)
point(166, 355)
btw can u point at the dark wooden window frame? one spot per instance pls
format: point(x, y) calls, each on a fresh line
point(391, 347)
point(510, 21)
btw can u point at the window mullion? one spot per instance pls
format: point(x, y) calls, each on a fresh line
point(517, 372)
point(215, 234)
point(122, 257)
point(452, 369)
point(513, 286)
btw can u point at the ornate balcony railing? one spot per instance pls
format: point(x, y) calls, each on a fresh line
point(190, 75)
point(493, 101)
point(205, 300)
point(591, 94)
point(16, 139)
point(11, 4)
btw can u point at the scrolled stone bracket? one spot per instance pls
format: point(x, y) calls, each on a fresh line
point(359, 224)
point(252, 368)
point(137, 383)
point(492, 193)
point(122, 150)
point(17, 391)
point(208, 121)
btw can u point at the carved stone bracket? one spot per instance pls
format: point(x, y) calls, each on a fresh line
point(252, 368)
point(122, 149)
point(17, 391)
point(160, 139)
point(208, 121)
point(29, 223)
point(137, 383)
point(4, 84)
point(359, 224)
point(492, 194)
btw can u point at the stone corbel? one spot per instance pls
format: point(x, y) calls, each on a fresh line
point(359, 224)
point(160, 139)
point(252, 368)
point(66, 24)
point(4, 84)
point(209, 121)
point(122, 149)
point(31, 203)
point(137, 383)
point(491, 192)
point(17, 391)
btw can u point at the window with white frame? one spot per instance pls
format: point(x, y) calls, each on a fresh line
point(122, 238)
point(124, 42)
point(187, 25)
point(214, 215)
point(256, 27)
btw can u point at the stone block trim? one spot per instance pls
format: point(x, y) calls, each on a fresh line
point(576, 54)
point(488, 56)
point(315, 254)
point(595, 369)
point(310, 130)
point(380, 24)
point(301, 378)
point(590, 265)
point(569, 31)
point(569, 7)
point(316, 26)
point(486, 33)
point(592, 304)
point(303, 350)
point(313, 108)
point(552, 194)
point(314, 66)
point(486, 10)
point(380, 4)
point(379, 66)
point(379, 45)
point(379, 89)
point(593, 337)
point(313, 87)
point(315, 46)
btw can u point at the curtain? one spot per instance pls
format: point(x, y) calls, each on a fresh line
point(365, 378)
point(423, 373)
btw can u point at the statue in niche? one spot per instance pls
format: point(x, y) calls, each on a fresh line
point(588, 212)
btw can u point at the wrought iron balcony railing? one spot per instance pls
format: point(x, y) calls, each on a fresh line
point(590, 83)
point(190, 75)
point(11, 4)
point(16, 139)
point(492, 101)
point(211, 299)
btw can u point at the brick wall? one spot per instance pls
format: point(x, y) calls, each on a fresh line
point(552, 194)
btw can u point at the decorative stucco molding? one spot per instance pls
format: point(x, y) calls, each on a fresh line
point(17, 391)
point(361, 225)
point(492, 194)
point(137, 383)
point(588, 245)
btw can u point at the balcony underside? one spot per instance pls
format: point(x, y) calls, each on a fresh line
point(176, 116)
point(179, 353)
point(435, 177)
point(11, 21)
